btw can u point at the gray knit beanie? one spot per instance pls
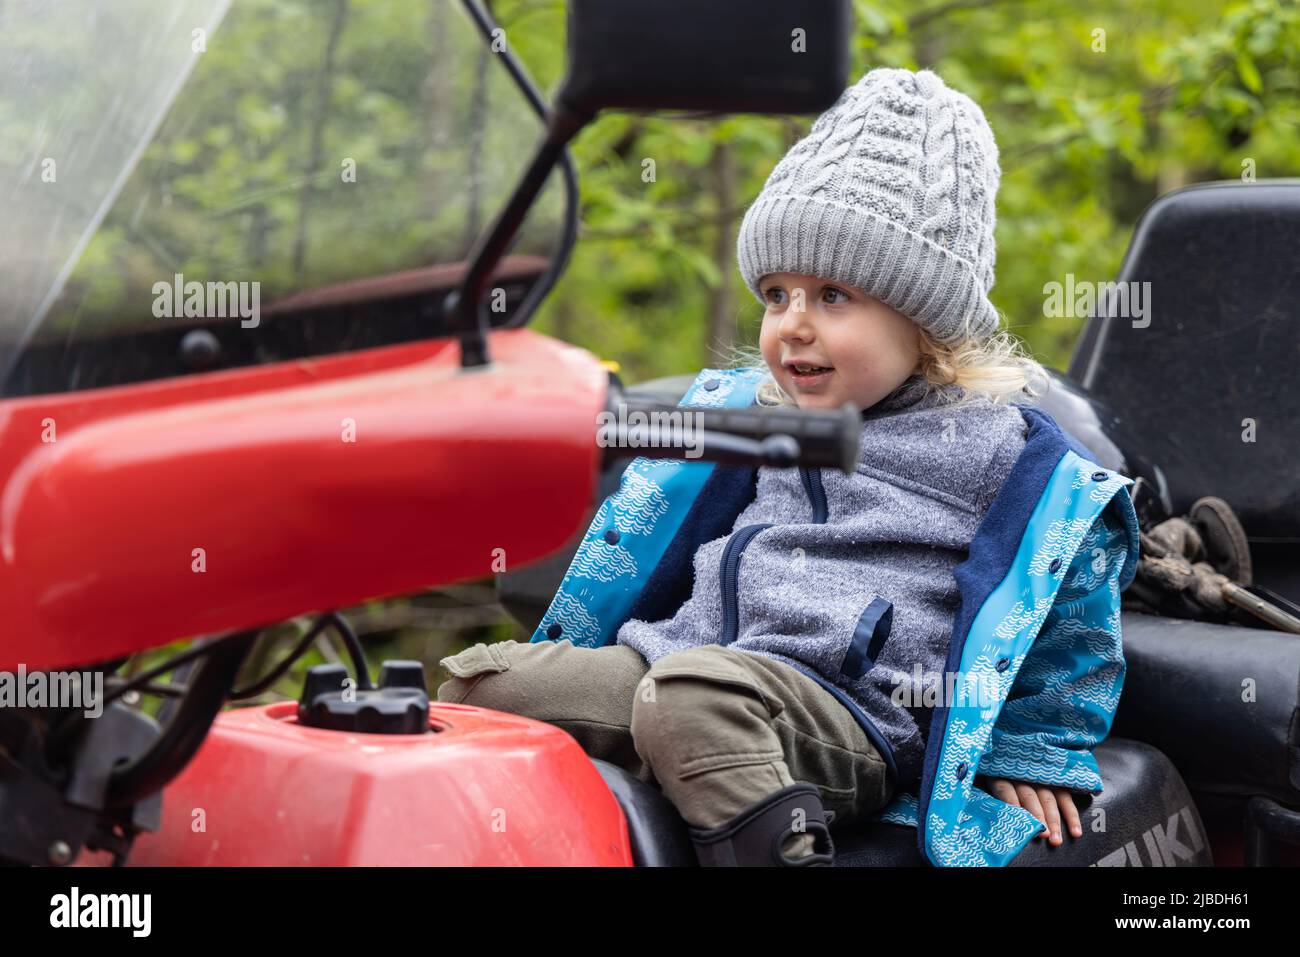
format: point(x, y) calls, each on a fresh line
point(892, 191)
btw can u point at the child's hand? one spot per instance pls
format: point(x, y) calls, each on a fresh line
point(1048, 804)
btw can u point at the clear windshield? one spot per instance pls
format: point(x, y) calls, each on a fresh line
point(165, 162)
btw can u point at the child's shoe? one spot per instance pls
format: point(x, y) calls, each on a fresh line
point(765, 836)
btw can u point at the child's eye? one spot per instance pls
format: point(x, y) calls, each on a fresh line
point(774, 291)
point(832, 291)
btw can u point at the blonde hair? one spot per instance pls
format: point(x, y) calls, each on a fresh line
point(998, 369)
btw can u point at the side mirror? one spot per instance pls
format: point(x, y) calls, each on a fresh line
point(729, 56)
point(742, 56)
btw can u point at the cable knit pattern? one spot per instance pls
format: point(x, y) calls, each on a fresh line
point(893, 191)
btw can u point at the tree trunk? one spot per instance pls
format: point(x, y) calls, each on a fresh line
point(474, 156)
point(438, 119)
point(722, 305)
point(315, 150)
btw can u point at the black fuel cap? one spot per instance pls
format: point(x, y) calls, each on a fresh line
point(400, 705)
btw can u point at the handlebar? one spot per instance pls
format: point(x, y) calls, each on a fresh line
point(776, 437)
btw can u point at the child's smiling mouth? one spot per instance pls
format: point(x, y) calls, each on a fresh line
point(808, 375)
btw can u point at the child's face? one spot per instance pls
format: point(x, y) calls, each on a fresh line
point(869, 347)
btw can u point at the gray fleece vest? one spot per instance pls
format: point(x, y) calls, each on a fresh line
point(850, 576)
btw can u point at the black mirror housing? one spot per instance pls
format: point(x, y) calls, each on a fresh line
point(726, 56)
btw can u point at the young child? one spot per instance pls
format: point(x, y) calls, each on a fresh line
point(871, 247)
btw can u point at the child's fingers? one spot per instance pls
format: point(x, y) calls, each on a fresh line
point(1029, 801)
point(1051, 806)
point(1065, 800)
point(1003, 791)
point(1048, 799)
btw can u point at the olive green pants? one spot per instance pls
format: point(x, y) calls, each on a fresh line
point(716, 730)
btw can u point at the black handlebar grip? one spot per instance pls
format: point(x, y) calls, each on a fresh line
point(826, 438)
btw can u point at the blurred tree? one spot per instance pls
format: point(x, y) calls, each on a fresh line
point(1097, 111)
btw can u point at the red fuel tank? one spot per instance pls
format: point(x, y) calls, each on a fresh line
point(481, 788)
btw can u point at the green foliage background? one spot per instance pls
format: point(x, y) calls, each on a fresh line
point(1185, 91)
point(1097, 108)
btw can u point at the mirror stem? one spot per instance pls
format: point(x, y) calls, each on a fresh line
point(465, 304)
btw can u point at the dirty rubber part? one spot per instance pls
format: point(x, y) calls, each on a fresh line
point(1224, 538)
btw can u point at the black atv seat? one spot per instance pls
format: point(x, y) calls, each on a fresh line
point(1204, 385)
point(1222, 702)
point(1143, 817)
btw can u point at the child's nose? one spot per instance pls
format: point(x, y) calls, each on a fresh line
point(795, 325)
